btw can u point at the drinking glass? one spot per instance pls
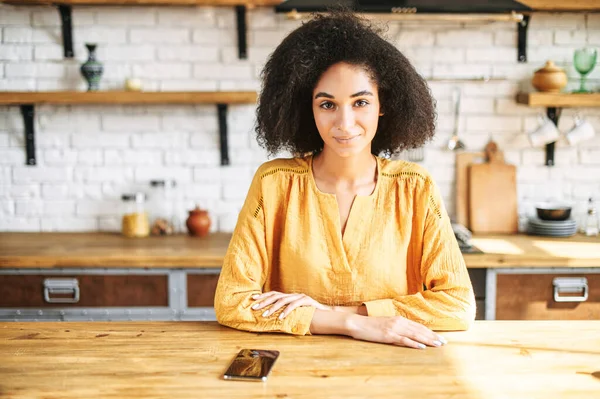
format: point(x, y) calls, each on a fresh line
point(584, 61)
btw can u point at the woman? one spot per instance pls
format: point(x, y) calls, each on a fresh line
point(339, 240)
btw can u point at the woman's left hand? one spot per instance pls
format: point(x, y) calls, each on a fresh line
point(279, 300)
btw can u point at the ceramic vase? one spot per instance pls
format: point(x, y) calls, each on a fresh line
point(198, 222)
point(92, 69)
point(550, 78)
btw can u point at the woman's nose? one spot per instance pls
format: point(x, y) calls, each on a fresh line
point(346, 120)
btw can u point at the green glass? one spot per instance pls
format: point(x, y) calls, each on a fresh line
point(584, 61)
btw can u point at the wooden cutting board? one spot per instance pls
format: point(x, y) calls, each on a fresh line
point(493, 194)
point(463, 161)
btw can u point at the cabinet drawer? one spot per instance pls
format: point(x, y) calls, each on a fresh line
point(201, 289)
point(532, 297)
point(37, 291)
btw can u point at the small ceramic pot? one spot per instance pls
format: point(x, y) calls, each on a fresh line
point(550, 78)
point(198, 222)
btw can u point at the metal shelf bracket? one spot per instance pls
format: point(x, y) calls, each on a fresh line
point(554, 115)
point(242, 32)
point(27, 110)
point(67, 29)
point(222, 110)
point(522, 38)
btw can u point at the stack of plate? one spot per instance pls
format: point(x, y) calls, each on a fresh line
point(552, 228)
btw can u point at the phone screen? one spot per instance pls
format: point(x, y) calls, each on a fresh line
point(251, 364)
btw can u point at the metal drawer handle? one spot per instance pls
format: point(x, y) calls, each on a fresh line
point(61, 286)
point(570, 285)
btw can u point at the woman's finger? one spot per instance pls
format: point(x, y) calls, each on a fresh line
point(305, 301)
point(409, 343)
point(420, 333)
point(258, 297)
point(268, 300)
point(281, 303)
point(429, 340)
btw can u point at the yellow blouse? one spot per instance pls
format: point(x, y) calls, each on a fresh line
point(398, 254)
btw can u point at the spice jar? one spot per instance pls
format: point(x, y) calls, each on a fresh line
point(135, 218)
point(591, 220)
point(162, 197)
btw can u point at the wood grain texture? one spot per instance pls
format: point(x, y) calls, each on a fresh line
point(127, 97)
point(559, 99)
point(531, 297)
point(562, 5)
point(111, 250)
point(201, 289)
point(493, 196)
point(463, 160)
point(521, 250)
point(494, 359)
point(31, 250)
point(216, 3)
point(95, 290)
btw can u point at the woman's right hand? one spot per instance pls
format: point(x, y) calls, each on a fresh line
point(395, 330)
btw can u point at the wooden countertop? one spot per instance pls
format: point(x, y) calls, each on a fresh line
point(47, 250)
point(495, 359)
point(50, 250)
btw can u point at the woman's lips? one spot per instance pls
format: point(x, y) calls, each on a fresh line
point(346, 140)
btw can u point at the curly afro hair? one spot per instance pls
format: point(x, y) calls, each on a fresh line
point(284, 114)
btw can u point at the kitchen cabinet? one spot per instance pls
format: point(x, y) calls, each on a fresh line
point(543, 294)
point(77, 289)
point(93, 294)
point(174, 277)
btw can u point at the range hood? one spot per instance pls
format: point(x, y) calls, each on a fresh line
point(407, 6)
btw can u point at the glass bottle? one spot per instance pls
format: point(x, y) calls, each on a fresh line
point(591, 220)
point(135, 218)
point(161, 211)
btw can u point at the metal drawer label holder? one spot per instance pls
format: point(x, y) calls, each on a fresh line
point(570, 285)
point(62, 286)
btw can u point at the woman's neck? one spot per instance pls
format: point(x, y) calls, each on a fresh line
point(347, 172)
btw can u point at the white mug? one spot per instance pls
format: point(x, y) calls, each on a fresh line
point(583, 130)
point(546, 133)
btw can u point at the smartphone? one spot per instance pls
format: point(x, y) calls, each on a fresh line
point(251, 365)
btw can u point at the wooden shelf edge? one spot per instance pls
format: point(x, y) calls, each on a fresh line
point(127, 97)
point(216, 3)
point(561, 5)
point(559, 100)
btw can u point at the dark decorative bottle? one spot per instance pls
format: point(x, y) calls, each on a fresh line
point(92, 69)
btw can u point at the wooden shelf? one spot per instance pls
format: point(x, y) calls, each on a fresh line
point(127, 97)
point(554, 103)
point(28, 100)
point(562, 5)
point(65, 10)
point(217, 3)
point(559, 100)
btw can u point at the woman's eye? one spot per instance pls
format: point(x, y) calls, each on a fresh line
point(362, 103)
point(327, 105)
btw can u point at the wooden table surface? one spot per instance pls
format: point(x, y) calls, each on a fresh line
point(494, 359)
point(48, 250)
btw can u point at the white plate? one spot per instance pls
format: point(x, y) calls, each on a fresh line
point(539, 222)
point(552, 234)
point(553, 227)
point(573, 231)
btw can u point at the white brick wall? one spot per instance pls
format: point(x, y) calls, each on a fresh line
point(89, 155)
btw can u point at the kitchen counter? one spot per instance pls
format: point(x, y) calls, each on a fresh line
point(64, 250)
point(544, 359)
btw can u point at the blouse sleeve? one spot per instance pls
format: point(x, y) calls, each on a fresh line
point(244, 272)
point(447, 301)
